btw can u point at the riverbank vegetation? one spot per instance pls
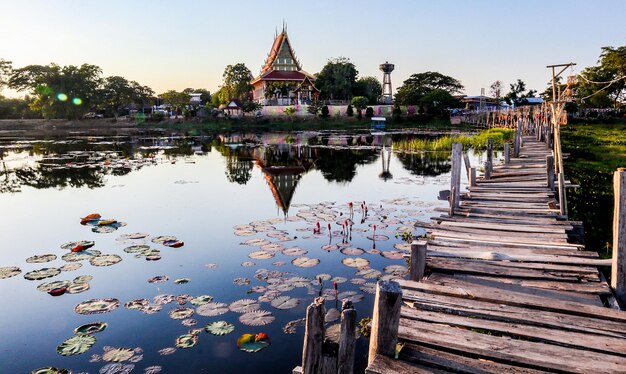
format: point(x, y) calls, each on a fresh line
point(444, 143)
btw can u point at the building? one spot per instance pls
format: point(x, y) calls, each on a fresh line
point(282, 80)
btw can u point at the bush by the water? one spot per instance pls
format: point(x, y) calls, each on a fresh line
point(477, 142)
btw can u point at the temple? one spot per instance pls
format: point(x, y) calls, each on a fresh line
point(282, 80)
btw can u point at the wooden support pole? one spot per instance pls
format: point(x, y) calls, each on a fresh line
point(385, 320)
point(550, 171)
point(618, 269)
point(347, 340)
point(562, 197)
point(516, 144)
point(490, 154)
point(507, 153)
point(466, 161)
point(418, 260)
point(313, 337)
point(487, 170)
point(472, 177)
point(455, 177)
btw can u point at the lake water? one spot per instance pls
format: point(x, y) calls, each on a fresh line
point(213, 193)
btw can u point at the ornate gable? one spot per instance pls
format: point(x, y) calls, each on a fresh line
point(281, 56)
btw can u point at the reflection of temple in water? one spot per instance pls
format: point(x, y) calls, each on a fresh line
point(283, 166)
point(385, 156)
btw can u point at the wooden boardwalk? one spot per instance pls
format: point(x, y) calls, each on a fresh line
point(507, 290)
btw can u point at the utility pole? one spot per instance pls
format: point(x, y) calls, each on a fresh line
point(557, 105)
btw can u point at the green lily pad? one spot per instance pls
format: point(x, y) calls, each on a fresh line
point(45, 287)
point(181, 313)
point(201, 300)
point(305, 262)
point(118, 354)
point(83, 279)
point(91, 328)
point(187, 341)
point(220, 328)
point(76, 345)
point(50, 370)
point(42, 273)
point(252, 343)
point(163, 239)
point(137, 304)
point(257, 318)
point(137, 248)
point(77, 288)
point(159, 279)
point(80, 256)
point(105, 260)
point(9, 271)
point(95, 306)
point(357, 262)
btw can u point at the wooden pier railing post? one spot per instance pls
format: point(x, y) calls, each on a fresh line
point(466, 161)
point(488, 168)
point(313, 337)
point(550, 171)
point(489, 163)
point(507, 153)
point(516, 145)
point(418, 260)
point(347, 340)
point(385, 320)
point(472, 177)
point(455, 177)
point(562, 197)
point(618, 269)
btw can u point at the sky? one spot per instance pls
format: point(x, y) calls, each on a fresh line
point(186, 43)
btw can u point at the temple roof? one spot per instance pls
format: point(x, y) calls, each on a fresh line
point(281, 54)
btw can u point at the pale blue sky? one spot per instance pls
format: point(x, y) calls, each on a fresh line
point(179, 44)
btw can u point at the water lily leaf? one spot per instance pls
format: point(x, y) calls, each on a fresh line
point(80, 256)
point(163, 239)
point(256, 242)
point(71, 267)
point(405, 247)
point(272, 247)
point(186, 341)
point(137, 304)
point(330, 247)
point(244, 232)
point(137, 248)
point(50, 370)
point(352, 251)
point(350, 296)
point(368, 273)
point(392, 255)
point(323, 277)
point(158, 279)
point(261, 255)
point(164, 299)
point(294, 251)
point(211, 266)
point(153, 369)
point(305, 262)
point(91, 328)
point(243, 227)
point(82, 279)
point(118, 354)
point(284, 302)
point(357, 281)
point(167, 351)
point(201, 300)
point(46, 287)
point(378, 238)
point(94, 306)
point(76, 345)
point(264, 228)
point(257, 318)
point(332, 315)
point(181, 280)
point(241, 281)
point(9, 271)
point(189, 322)
point(247, 264)
point(399, 270)
point(42, 273)
point(298, 281)
point(77, 288)
point(104, 229)
point(181, 313)
point(244, 306)
point(134, 236)
point(41, 258)
point(105, 260)
point(290, 327)
point(220, 328)
point(253, 343)
point(212, 309)
point(357, 262)
point(368, 288)
point(90, 218)
point(83, 244)
point(279, 263)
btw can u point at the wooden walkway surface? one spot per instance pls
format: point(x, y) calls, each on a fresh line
point(507, 291)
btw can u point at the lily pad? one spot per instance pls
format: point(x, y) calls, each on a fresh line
point(294, 251)
point(201, 300)
point(332, 315)
point(91, 328)
point(181, 313)
point(9, 271)
point(181, 280)
point(244, 232)
point(76, 345)
point(137, 248)
point(392, 255)
point(253, 343)
point(244, 306)
point(241, 281)
point(212, 309)
point(284, 302)
point(42, 273)
point(167, 351)
point(105, 260)
point(159, 279)
point(368, 273)
point(77, 288)
point(368, 288)
point(71, 267)
point(118, 354)
point(272, 247)
point(186, 341)
point(163, 239)
point(256, 242)
point(50, 370)
point(164, 299)
point(261, 255)
point(330, 247)
point(352, 251)
point(305, 262)
point(83, 244)
point(83, 279)
point(95, 306)
point(80, 256)
point(220, 328)
point(46, 287)
point(357, 262)
point(41, 258)
point(137, 304)
point(257, 318)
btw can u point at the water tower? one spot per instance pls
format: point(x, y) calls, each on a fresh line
point(387, 68)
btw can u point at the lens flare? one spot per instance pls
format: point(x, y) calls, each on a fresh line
point(77, 101)
point(62, 97)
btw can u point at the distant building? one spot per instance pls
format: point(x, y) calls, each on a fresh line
point(282, 80)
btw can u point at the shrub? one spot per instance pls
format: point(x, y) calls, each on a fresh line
point(350, 111)
point(325, 111)
point(369, 112)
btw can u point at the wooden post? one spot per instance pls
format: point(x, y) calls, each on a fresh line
point(618, 268)
point(562, 198)
point(313, 337)
point(507, 153)
point(455, 176)
point(347, 340)
point(550, 171)
point(516, 144)
point(490, 154)
point(418, 260)
point(487, 170)
point(385, 320)
point(466, 161)
point(472, 178)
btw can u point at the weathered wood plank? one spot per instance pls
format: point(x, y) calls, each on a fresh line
point(386, 365)
point(618, 272)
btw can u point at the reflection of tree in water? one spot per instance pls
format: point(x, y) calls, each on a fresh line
point(44, 177)
point(340, 165)
point(425, 163)
point(8, 181)
point(238, 169)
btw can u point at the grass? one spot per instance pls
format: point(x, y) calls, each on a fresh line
point(444, 143)
point(596, 151)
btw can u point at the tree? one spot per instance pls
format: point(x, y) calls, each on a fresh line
point(290, 112)
point(176, 100)
point(360, 103)
point(369, 112)
point(418, 85)
point(337, 79)
point(249, 106)
point(315, 107)
point(325, 111)
point(205, 95)
point(349, 111)
point(369, 87)
point(118, 92)
point(237, 81)
point(516, 95)
point(437, 101)
point(612, 70)
point(496, 91)
point(5, 72)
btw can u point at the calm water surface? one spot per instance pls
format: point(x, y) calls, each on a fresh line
point(198, 189)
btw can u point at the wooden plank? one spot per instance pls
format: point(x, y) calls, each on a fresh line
point(514, 220)
point(510, 351)
point(467, 243)
point(512, 314)
point(591, 342)
point(386, 365)
point(384, 331)
point(512, 234)
point(505, 256)
point(455, 287)
point(540, 242)
point(507, 227)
